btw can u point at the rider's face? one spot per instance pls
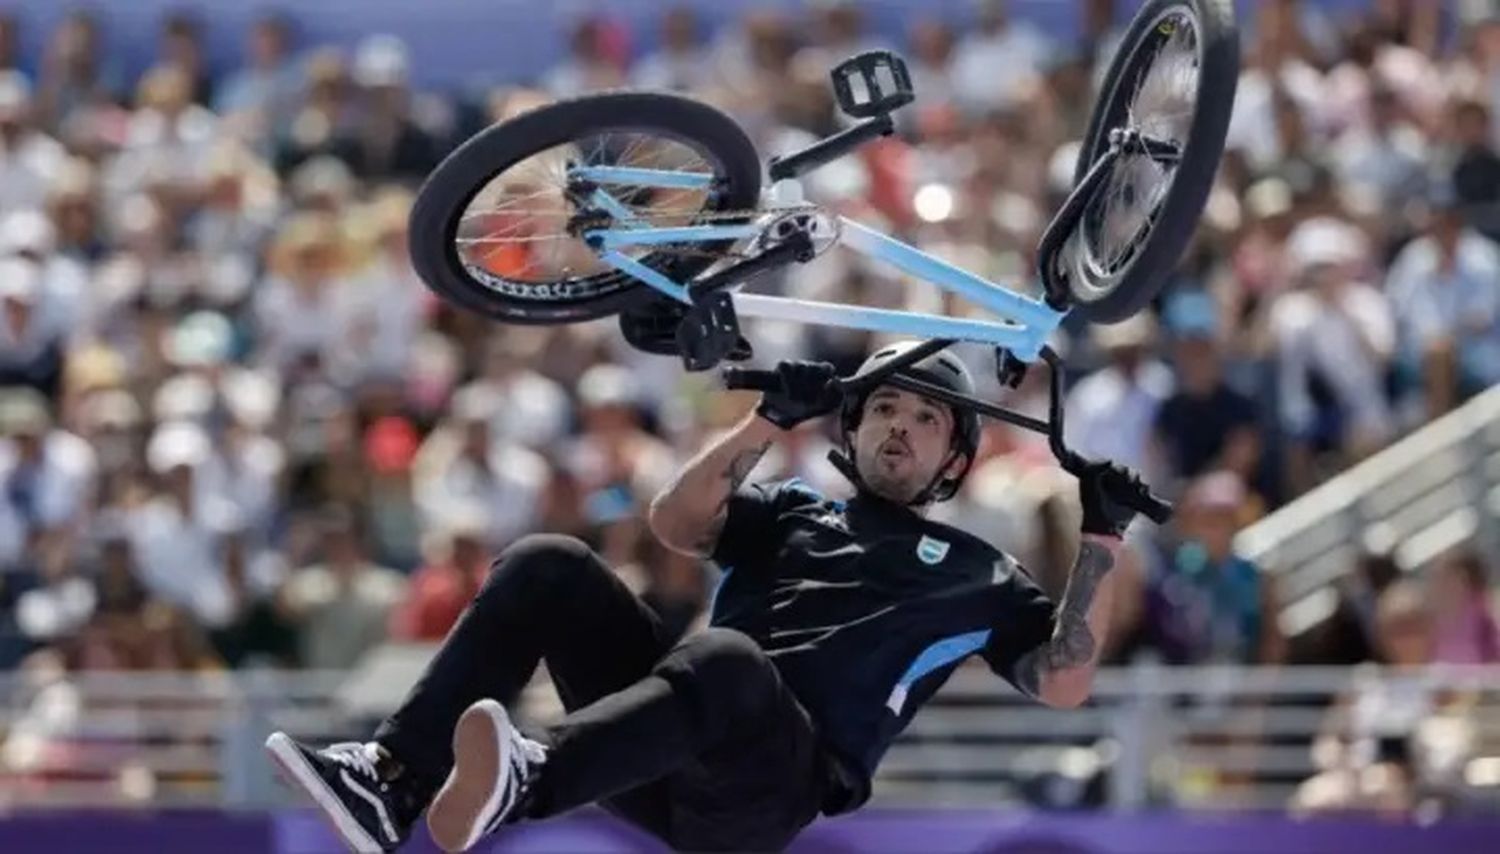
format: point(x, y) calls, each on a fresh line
point(902, 442)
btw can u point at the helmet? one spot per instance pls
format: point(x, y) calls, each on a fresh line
point(941, 369)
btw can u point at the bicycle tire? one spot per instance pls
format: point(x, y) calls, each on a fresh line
point(1132, 288)
point(449, 189)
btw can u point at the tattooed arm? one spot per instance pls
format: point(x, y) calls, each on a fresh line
point(689, 514)
point(1060, 672)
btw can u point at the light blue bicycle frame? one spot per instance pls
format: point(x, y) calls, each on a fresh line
point(1026, 324)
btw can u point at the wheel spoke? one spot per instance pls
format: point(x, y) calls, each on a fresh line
point(1157, 117)
point(519, 219)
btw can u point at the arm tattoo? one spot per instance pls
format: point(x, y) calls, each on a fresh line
point(734, 474)
point(1072, 642)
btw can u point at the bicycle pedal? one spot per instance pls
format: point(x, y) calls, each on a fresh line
point(872, 83)
point(709, 333)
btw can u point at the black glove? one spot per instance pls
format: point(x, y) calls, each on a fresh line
point(1105, 488)
point(807, 391)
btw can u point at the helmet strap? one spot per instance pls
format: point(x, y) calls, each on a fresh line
point(843, 460)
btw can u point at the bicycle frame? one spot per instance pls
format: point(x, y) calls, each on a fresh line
point(1025, 324)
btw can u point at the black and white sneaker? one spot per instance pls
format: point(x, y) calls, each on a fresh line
point(494, 766)
point(343, 781)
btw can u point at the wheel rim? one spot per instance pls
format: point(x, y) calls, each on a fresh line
point(512, 235)
point(1163, 78)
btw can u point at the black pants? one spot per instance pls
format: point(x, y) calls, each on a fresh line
point(701, 744)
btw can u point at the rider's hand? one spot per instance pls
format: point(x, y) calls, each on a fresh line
point(807, 391)
point(1104, 488)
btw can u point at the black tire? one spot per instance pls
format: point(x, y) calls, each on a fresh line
point(1110, 299)
point(451, 187)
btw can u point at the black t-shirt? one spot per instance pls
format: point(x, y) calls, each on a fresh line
point(1194, 429)
point(866, 609)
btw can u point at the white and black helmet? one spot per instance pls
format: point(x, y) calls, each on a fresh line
point(942, 369)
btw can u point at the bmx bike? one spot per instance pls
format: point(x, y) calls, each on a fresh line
point(650, 206)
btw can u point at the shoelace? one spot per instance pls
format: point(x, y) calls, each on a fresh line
point(528, 756)
point(353, 755)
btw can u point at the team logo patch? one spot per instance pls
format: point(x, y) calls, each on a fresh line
point(931, 551)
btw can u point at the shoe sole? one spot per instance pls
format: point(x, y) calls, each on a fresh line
point(466, 803)
point(298, 773)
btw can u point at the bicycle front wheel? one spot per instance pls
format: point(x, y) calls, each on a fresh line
point(1172, 80)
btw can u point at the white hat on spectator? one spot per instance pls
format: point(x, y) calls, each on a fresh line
point(113, 408)
point(253, 397)
point(175, 444)
point(1269, 197)
point(1325, 241)
point(322, 176)
point(20, 279)
point(381, 60)
point(27, 231)
point(202, 339)
point(608, 385)
point(184, 397)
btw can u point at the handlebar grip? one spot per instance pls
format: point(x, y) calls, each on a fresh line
point(752, 379)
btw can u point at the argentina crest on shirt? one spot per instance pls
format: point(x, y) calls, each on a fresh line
point(931, 551)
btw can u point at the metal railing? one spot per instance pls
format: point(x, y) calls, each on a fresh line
point(1151, 736)
point(1432, 490)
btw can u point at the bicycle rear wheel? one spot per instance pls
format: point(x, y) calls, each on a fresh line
point(1173, 79)
point(495, 227)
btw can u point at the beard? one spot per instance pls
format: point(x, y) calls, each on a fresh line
point(893, 473)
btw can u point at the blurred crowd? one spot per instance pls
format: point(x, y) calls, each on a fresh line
point(236, 429)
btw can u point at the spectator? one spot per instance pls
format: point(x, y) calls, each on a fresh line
point(320, 124)
point(77, 73)
point(180, 46)
point(256, 632)
point(28, 157)
point(595, 62)
point(1368, 751)
point(169, 139)
point(464, 468)
point(382, 307)
point(1205, 603)
point(1441, 288)
point(615, 457)
point(73, 206)
point(998, 60)
point(931, 65)
point(48, 477)
point(681, 63)
point(262, 91)
point(1111, 411)
point(1389, 155)
point(836, 31)
point(441, 589)
point(1205, 425)
point(177, 534)
point(1476, 168)
point(388, 142)
point(1465, 630)
point(300, 311)
point(10, 42)
point(537, 412)
point(390, 445)
point(1333, 337)
point(341, 605)
point(1349, 636)
point(31, 345)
